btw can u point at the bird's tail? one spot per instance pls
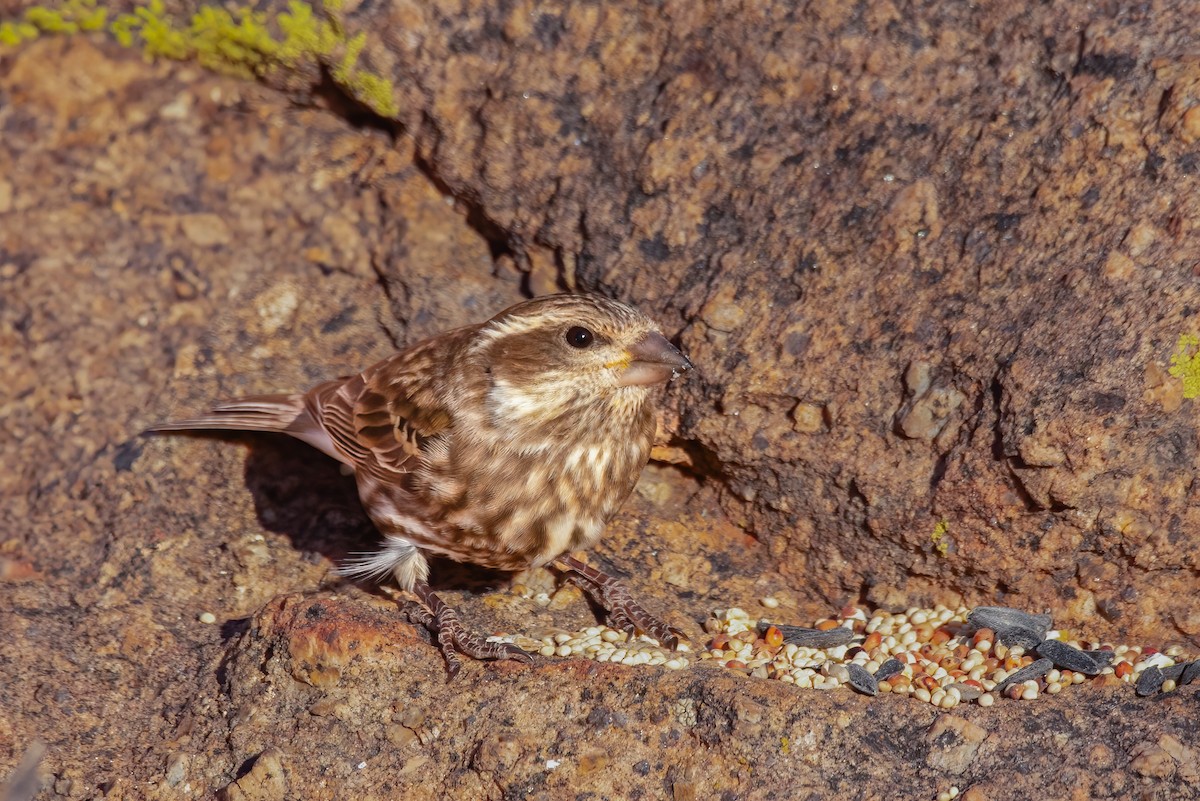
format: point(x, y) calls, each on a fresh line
point(287, 414)
point(284, 413)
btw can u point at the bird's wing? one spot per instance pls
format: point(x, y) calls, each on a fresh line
point(382, 418)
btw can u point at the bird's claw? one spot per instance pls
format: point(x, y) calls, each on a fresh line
point(624, 613)
point(454, 638)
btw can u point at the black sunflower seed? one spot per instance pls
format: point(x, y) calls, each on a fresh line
point(1012, 626)
point(815, 638)
point(966, 691)
point(1103, 658)
point(861, 680)
point(1034, 671)
point(1173, 673)
point(1065, 657)
point(1150, 682)
point(889, 669)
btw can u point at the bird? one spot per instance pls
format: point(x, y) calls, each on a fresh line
point(507, 444)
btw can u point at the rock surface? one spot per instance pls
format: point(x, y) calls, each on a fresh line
point(932, 264)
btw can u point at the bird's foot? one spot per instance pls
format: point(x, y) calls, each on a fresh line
point(454, 638)
point(624, 613)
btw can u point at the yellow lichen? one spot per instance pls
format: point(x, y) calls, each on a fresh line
point(1185, 364)
point(941, 543)
point(239, 41)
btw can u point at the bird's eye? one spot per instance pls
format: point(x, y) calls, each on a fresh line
point(579, 337)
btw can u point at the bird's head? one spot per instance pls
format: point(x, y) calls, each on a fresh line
point(561, 356)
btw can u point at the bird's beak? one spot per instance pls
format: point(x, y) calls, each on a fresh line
point(653, 360)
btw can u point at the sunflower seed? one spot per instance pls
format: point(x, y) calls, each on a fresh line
point(815, 638)
point(1012, 626)
point(1034, 671)
point(1067, 658)
point(861, 680)
point(966, 691)
point(1191, 671)
point(889, 670)
point(1173, 672)
point(1103, 658)
point(1150, 682)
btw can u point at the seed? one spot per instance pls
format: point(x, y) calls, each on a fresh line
point(769, 602)
point(773, 637)
point(1150, 682)
point(966, 692)
point(1034, 671)
point(862, 681)
point(1173, 672)
point(1064, 656)
point(1168, 685)
point(816, 638)
point(987, 699)
point(1010, 624)
point(1122, 669)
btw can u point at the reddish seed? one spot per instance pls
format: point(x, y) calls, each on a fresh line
point(735, 663)
point(962, 651)
point(983, 634)
point(973, 683)
point(940, 636)
point(827, 625)
point(872, 641)
point(719, 642)
point(1014, 692)
point(1148, 651)
point(849, 611)
point(773, 637)
point(1122, 669)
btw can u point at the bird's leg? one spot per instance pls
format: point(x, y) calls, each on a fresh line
point(611, 593)
point(455, 638)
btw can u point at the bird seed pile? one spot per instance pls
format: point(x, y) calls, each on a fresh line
point(940, 656)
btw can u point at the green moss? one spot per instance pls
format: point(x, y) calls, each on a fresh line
point(239, 41)
point(13, 33)
point(367, 88)
point(941, 542)
point(1185, 364)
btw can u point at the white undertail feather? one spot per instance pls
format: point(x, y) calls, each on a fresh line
point(398, 558)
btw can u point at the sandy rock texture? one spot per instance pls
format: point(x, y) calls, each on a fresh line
point(932, 263)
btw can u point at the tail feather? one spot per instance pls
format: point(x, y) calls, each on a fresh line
point(257, 413)
point(286, 414)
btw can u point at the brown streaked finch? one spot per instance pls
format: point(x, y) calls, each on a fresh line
point(506, 444)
